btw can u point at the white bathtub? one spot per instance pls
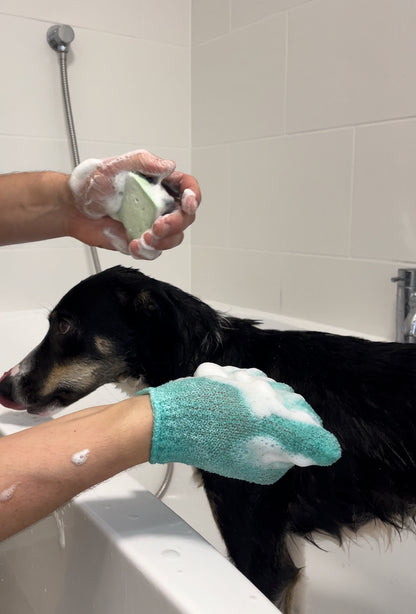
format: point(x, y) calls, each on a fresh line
point(127, 552)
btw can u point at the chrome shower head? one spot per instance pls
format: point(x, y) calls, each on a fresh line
point(60, 37)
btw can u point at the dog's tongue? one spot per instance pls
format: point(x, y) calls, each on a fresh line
point(8, 402)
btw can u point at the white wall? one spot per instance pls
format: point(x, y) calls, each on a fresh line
point(304, 141)
point(129, 71)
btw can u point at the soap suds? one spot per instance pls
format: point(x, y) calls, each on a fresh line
point(111, 202)
point(8, 493)
point(265, 452)
point(117, 242)
point(188, 201)
point(163, 201)
point(141, 248)
point(79, 458)
point(263, 399)
point(80, 174)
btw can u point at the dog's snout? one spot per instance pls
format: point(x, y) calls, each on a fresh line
point(6, 384)
point(7, 392)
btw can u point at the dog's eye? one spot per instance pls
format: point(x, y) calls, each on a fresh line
point(64, 327)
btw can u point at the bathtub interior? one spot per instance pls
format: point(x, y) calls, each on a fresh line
point(372, 574)
point(123, 551)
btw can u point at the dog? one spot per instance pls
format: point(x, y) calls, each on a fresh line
point(121, 325)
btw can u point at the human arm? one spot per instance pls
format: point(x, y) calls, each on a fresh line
point(34, 206)
point(234, 422)
point(42, 205)
point(37, 471)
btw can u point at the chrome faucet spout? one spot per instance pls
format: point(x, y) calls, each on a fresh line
point(406, 306)
point(409, 324)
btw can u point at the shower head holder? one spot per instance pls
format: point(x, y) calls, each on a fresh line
point(60, 37)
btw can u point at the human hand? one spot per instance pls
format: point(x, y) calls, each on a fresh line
point(237, 423)
point(97, 185)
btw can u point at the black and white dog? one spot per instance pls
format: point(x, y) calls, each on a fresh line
point(121, 324)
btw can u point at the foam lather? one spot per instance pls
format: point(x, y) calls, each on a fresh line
point(141, 204)
point(237, 423)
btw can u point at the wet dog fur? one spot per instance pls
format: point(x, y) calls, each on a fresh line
point(122, 325)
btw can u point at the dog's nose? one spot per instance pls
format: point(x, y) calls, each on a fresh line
point(6, 392)
point(5, 388)
point(5, 375)
point(5, 384)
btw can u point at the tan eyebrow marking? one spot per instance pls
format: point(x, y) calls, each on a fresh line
point(103, 345)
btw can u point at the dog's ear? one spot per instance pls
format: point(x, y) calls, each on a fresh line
point(156, 318)
point(136, 302)
point(145, 302)
point(156, 304)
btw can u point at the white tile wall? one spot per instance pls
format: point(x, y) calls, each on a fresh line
point(305, 148)
point(384, 211)
point(28, 105)
point(245, 12)
point(303, 130)
point(165, 21)
point(356, 293)
point(236, 277)
point(208, 23)
point(233, 95)
point(211, 166)
point(293, 183)
point(349, 62)
point(129, 72)
point(127, 89)
point(36, 278)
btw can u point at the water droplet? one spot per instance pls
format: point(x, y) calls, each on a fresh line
point(171, 554)
point(61, 527)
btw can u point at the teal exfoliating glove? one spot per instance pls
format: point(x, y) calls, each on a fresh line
point(237, 423)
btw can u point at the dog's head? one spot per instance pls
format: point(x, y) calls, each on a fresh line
point(116, 325)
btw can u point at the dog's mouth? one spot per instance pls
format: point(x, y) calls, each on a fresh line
point(10, 404)
point(11, 400)
point(50, 405)
point(41, 410)
point(44, 411)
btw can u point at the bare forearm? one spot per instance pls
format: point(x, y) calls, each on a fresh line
point(42, 468)
point(33, 206)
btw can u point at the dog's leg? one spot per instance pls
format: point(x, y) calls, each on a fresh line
point(256, 535)
point(293, 600)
